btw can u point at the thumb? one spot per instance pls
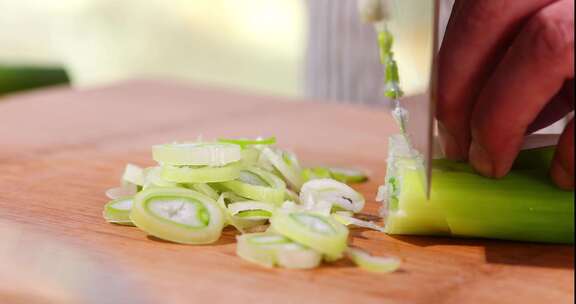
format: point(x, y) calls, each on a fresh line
point(562, 170)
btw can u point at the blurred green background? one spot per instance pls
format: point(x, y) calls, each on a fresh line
point(250, 44)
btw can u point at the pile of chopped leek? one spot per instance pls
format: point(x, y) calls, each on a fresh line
point(287, 216)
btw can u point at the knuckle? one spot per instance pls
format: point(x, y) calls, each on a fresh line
point(551, 36)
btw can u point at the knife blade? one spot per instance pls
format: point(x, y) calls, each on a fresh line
point(420, 124)
point(414, 114)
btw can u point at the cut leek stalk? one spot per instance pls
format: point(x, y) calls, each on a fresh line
point(257, 184)
point(133, 175)
point(523, 206)
point(178, 215)
point(118, 211)
point(321, 233)
point(340, 195)
point(372, 263)
point(204, 174)
point(196, 154)
point(286, 164)
point(244, 143)
point(269, 250)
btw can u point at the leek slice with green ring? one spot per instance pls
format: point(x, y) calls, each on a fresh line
point(190, 174)
point(285, 163)
point(340, 195)
point(257, 184)
point(267, 249)
point(242, 224)
point(348, 175)
point(321, 233)
point(373, 263)
point(118, 211)
point(197, 154)
point(249, 142)
point(249, 214)
point(178, 215)
point(251, 210)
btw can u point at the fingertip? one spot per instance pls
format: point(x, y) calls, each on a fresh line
point(562, 170)
point(481, 160)
point(561, 177)
point(450, 146)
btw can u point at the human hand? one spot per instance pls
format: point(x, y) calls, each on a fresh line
point(506, 69)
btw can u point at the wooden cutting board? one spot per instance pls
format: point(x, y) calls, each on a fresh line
point(60, 149)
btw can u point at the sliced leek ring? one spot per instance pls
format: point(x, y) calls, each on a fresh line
point(251, 210)
point(122, 191)
point(249, 142)
point(350, 220)
point(118, 211)
point(240, 223)
point(373, 263)
point(322, 207)
point(204, 189)
point(197, 154)
point(178, 215)
point(133, 175)
point(188, 174)
point(321, 233)
point(250, 156)
point(153, 178)
point(315, 173)
point(285, 163)
point(269, 250)
point(347, 175)
point(291, 196)
point(340, 195)
point(257, 184)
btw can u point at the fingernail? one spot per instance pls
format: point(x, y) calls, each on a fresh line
point(450, 145)
point(480, 160)
point(561, 177)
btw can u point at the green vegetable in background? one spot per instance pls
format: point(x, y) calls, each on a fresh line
point(20, 78)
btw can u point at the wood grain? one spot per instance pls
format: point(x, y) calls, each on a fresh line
point(60, 149)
